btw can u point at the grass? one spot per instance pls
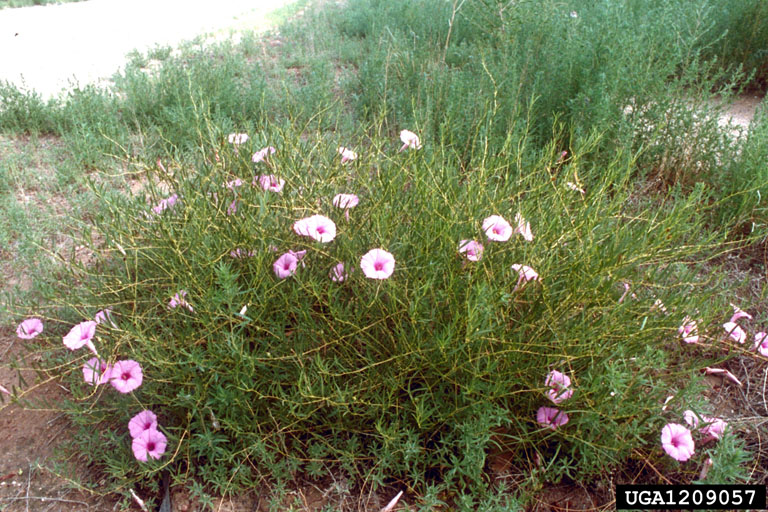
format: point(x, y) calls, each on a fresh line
point(425, 380)
point(28, 3)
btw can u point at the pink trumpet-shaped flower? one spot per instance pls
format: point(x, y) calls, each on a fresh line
point(232, 185)
point(559, 385)
point(166, 203)
point(237, 138)
point(29, 328)
point(377, 264)
point(241, 253)
point(81, 335)
point(270, 182)
point(285, 265)
point(714, 428)
point(497, 229)
point(551, 417)
point(761, 343)
point(126, 376)
point(677, 441)
point(471, 249)
point(232, 208)
point(337, 273)
point(738, 314)
point(145, 420)
point(96, 371)
point(261, 155)
point(525, 274)
point(735, 332)
point(410, 140)
point(150, 443)
point(317, 227)
point(299, 255)
point(345, 201)
point(104, 316)
point(523, 227)
point(691, 418)
point(347, 155)
point(180, 299)
point(689, 330)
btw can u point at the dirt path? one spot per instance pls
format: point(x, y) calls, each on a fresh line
point(46, 47)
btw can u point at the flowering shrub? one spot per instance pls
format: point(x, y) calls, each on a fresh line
point(295, 337)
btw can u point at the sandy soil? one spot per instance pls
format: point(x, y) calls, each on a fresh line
point(50, 47)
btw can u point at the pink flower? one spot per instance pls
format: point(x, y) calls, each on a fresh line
point(761, 343)
point(523, 228)
point(688, 330)
point(471, 249)
point(96, 371)
point(377, 264)
point(29, 328)
point(237, 182)
point(145, 420)
point(337, 273)
point(525, 274)
point(126, 376)
point(735, 332)
point(262, 155)
point(691, 419)
point(270, 182)
point(285, 265)
point(714, 428)
point(722, 373)
point(497, 229)
point(559, 386)
point(677, 441)
point(345, 200)
point(180, 299)
point(299, 255)
point(166, 203)
point(237, 138)
point(738, 314)
point(103, 316)
point(410, 140)
point(232, 208)
point(317, 227)
point(150, 442)
point(347, 155)
point(81, 335)
point(551, 418)
point(242, 253)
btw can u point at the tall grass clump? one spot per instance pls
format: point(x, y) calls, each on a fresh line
point(262, 366)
